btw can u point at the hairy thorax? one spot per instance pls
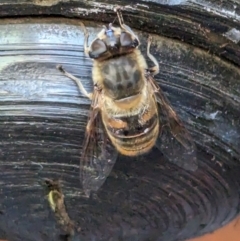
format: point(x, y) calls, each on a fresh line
point(122, 80)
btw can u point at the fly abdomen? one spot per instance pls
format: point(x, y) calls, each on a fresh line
point(134, 139)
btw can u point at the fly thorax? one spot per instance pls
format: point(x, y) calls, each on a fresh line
point(122, 77)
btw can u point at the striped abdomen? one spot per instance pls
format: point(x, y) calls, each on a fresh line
point(133, 135)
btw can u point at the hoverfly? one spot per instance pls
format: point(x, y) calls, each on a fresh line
point(129, 113)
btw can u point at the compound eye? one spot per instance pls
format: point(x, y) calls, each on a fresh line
point(126, 40)
point(98, 47)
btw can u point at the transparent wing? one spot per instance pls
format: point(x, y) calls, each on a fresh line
point(98, 155)
point(174, 140)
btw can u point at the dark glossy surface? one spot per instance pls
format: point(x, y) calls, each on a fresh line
point(43, 117)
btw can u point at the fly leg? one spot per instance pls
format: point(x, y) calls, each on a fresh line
point(76, 80)
point(155, 69)
point(86, 36)
point(122, 24)
point(70, 76)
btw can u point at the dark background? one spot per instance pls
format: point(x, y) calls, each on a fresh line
point(43, 118)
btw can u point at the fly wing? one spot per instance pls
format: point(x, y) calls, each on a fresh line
point(174, 140)
point(98, 155)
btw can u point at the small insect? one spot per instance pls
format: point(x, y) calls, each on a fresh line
point(129, 113)
point(56, 202)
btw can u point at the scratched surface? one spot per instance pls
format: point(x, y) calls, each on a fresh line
point(43, 117)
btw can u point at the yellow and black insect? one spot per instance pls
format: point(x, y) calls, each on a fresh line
point(129, 112)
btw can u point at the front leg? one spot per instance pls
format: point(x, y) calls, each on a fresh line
point(86, 37)
point(122, 24)
point(155, 69)
point(76, 80)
